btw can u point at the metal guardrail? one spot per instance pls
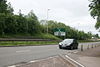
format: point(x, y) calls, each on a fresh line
point(24, 39)
point(27, 40)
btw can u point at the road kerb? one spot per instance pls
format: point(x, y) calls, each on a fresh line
point(68, 61)
point(79, 64)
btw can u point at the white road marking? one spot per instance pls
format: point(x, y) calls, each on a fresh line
point(41, 59)
point(74, 61)
point(75, 52)
point(12, 66)
point(51, 57)
point(32, 61)
point(22, 51)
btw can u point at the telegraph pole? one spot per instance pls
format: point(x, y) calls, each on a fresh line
point(47, 19)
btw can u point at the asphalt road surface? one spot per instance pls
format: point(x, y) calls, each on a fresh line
point(15, 55)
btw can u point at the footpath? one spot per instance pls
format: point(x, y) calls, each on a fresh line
point(88, 58)
point(56, 61)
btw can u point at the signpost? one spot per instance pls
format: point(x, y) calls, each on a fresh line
point(59, 32)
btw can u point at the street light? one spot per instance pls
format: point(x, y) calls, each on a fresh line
point(47, 19)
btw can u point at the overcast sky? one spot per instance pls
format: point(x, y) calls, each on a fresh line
point(74, 13)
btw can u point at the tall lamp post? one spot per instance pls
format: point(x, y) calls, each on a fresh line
point(47, 19)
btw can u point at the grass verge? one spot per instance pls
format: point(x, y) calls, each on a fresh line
point(26, 43)
point(85, 41)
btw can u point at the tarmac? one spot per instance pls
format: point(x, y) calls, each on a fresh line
point(86, 58)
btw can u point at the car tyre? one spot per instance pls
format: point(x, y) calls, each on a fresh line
point(60, 47)
point(71, 47)
point(77, 47)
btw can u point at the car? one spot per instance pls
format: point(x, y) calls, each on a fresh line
point(69, 44)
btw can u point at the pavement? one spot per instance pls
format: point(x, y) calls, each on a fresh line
point(56, 61)
point(88, 58)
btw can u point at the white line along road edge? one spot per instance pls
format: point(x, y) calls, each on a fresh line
point(74, 61)
point(12, 66)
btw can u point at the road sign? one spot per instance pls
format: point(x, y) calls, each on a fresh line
point(59, 32)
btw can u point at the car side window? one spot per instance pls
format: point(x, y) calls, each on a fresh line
point(75, 41)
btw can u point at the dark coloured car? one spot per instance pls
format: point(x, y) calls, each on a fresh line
point(69, 44)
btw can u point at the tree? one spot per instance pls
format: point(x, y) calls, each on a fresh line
point(2, 23)
point(95, 11)
point(10, 24)
point(33, 23)
point(21, 23)
point(3, 6)
point(96, 35)
point(6, 18)
point(43, 25)
point(10, 8)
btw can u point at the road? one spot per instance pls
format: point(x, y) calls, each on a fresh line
point(14, 55)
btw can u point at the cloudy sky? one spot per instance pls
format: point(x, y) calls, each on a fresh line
point(74, 13)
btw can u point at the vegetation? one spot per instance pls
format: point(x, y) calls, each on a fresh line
point(26, 26)
point(25, 43)
point(95, 11)
point(80, 35)
point(35, 43)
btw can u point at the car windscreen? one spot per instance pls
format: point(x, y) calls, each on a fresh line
point(67, 41)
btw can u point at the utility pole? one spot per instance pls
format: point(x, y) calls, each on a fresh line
point(47, 19)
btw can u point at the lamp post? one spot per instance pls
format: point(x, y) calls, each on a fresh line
point(47, 19)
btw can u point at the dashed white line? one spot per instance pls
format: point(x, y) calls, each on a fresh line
point(74, 61)
point(22, 51)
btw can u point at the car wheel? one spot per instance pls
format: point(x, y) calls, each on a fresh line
point(71, 47)
point(60, 47)
point(77, 47)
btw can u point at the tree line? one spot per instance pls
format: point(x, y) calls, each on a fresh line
point(70, 32)
point(11, 24)
point(14, 24)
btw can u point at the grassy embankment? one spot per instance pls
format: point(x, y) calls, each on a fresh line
point(37, 36)
point(28, 36)
point(33, 43)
